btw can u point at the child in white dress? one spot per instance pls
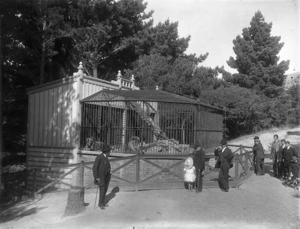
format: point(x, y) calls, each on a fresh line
point(189, 173)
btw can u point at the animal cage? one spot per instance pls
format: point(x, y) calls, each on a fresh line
point(157, 122)
point(70, 117)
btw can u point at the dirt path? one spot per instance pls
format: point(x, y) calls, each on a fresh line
point(261, 202)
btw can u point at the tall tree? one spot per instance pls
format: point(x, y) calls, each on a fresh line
point(51, 27)
point(104, 38)
point(19, 69)
point(257, 58)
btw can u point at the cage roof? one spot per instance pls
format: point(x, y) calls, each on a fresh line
point(142, 95)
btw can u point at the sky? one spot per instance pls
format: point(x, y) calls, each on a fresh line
point(214, 24)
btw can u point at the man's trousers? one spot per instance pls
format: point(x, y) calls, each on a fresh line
point(199, 182)
point(275, 166)
point(260, 164)
point(286, 167)
point(103, 189)
point(280, 169)
point(223, 176)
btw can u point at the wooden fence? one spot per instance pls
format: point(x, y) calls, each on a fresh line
point(242, 168)
point(243, 163)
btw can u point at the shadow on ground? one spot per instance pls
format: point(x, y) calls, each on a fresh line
point(112, 194)
point(269, 168)
point(14, 211)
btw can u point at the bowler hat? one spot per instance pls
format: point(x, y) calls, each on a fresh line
point(256, 138)
point(105, 148)
point(223, 142)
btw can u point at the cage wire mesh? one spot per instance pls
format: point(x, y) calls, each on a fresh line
point(140, 126)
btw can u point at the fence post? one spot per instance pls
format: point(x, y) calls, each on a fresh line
point(243, 157)
point(81, 175)
point(137, 178)
point(236, 171)
point(246, 162)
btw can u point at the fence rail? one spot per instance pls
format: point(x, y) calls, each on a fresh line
point(242, 168)
point(243, 163)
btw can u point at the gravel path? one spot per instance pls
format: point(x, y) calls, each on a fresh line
point(261, 202)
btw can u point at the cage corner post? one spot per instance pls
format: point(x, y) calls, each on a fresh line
point(75, 202)
point(124, 127)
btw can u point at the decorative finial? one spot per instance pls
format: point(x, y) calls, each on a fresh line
point(132, 78)
point(80, 67)
point(157, 88)
point(119, 79)
point(119, 74)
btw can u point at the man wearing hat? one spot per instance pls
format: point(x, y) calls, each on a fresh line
point(225, 159)
point(280, 159)
point(259, 156)
point(101, 172)
point(199, 164)
point(288, 155)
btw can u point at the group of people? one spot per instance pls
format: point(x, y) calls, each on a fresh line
point(193, 169)
point(195, 166)
point(285, 160)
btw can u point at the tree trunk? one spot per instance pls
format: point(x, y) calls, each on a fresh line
point(95, 72)
point(42, 66)
point(75, 203)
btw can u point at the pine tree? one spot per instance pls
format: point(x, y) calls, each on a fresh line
point(257, 58)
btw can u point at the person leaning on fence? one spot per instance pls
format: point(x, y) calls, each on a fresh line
point(274, 154)
point(259, 155)
point(101, 172)
point(225, 159)
point(199, 164)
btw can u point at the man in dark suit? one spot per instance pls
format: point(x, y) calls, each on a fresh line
point(199, 164)
point(101, 172)
point(225, 159)
point(259, 155)
point(288, 155)
point(280, 159)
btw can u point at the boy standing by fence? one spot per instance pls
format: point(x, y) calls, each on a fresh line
point(274, 154)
